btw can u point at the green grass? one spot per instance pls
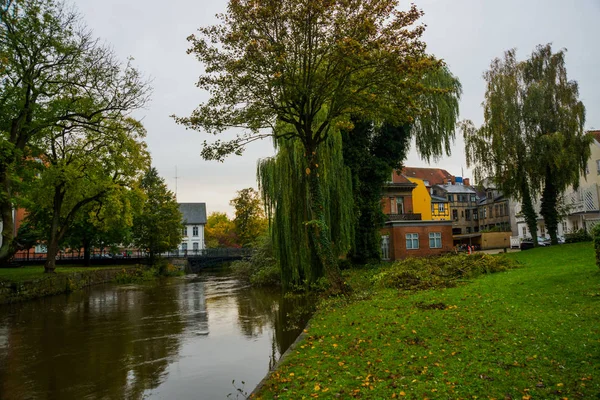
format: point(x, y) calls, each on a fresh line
point(36, 272)
point(531, 332)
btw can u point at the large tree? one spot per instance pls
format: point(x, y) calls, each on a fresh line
point(310, 64)
point(250, 221)
point(220, 231)
point(54, 75)
point(372, 153)
point(158, 225)
point(532, 139)
point(82, 167)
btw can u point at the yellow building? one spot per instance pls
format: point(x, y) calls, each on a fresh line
point(431, 208)
point(421, 199)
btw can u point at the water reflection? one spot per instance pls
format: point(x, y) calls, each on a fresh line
point(181, 338)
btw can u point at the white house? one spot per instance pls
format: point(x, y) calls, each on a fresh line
point(194, 219)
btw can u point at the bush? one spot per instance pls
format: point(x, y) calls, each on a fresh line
point(596, 238)
point(578, 236)
point(261, 269)
point(443, 271)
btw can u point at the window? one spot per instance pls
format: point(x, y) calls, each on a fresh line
point(451, 198)
point(195, 245)
point(385, 247)
point(473, 198)
point(542, 230)
point(412, 241)
point(468, 229)
point(598, 166)
point(506, 209)
point(491, 212)
point(564, 227)
point(462, 198)
point(392, 203)
point(496, 210)
point(501, 211)
point(195, 231)
point(484, 212)
point(468, 215)
point(184, 246)
point(184, 231)
point(400, 205)
point(475, 215)
point(575, 226)
point(455, 215)
point(435, 240)
point(426, 183)
point(524, 231)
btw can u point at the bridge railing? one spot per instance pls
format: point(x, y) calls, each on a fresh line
point(210, 253)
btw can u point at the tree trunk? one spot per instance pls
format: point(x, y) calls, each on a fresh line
point(319, 230)
point(548, 209)
point(8, 249)
point(50, 264)
point(86, 252)
point(55, 230)
point(529, 211)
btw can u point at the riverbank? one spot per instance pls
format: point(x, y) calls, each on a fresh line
point(27, 283)
point(528, 333)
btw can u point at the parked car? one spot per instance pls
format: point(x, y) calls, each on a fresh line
point(542, 241)
point(98, 256)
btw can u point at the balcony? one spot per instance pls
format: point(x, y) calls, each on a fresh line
point(404, 217)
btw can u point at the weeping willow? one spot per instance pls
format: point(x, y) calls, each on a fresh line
point(283, 183)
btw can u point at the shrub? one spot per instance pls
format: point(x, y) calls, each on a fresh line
point(443, 271)
point(596, 238)
point(578, 236)
point(262, 268)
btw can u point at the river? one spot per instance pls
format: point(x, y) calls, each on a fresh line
point(180, 338)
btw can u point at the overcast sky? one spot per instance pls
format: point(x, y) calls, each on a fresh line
point(467, 34)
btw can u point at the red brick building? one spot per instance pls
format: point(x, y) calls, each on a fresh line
point(405, 234)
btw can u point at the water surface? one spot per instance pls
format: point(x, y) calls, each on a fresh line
point(181, 338)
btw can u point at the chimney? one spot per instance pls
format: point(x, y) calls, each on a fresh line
point(467, 182)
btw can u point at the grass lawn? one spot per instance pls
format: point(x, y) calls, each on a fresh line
point(529, 333)
point(36, 272)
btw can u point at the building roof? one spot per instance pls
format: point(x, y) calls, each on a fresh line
point(396, 178)
point(435, 176)
point(438, 199)
point(457, 189)
point(193, 213)
point(596, 135)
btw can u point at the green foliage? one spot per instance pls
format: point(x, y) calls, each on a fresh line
point(437, 272)
point(596, 239)
point(578, 236)
point(250, 221)
point(262, 268)
point(157, 226)
point(371, 152)
point(220, 231)
point(59, 84)
point(284, 184)
point(532, 138)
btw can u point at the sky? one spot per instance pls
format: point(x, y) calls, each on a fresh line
point(467, 34)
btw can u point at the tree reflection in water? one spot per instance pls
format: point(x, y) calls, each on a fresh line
point(113, 342)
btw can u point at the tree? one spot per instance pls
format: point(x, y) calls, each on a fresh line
point(84, 166)
point(309, 64)
point(372, 154)
point(220, 231)
point(532, 138)
point(158, 225)
point(55, 75)
point(250, 221)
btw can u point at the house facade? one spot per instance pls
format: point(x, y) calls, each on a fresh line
point(410, 230)
point(194, 220)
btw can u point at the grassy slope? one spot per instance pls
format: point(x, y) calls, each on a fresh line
point(532, 333)
point(37, 272)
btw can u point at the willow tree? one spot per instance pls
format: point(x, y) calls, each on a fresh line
point(54, 73)
point(532, 139)
point(271, 61)
point(285, 187)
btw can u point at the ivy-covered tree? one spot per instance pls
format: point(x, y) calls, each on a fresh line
point(311, 64)
point(372, 153)
point(533, 138)
point(55, 76)
point(250, 221)
point(158, 224)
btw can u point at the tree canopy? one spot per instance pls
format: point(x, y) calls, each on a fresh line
point(311, 65)
point(532, 139)
point(55, 76)
point(250, 220)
